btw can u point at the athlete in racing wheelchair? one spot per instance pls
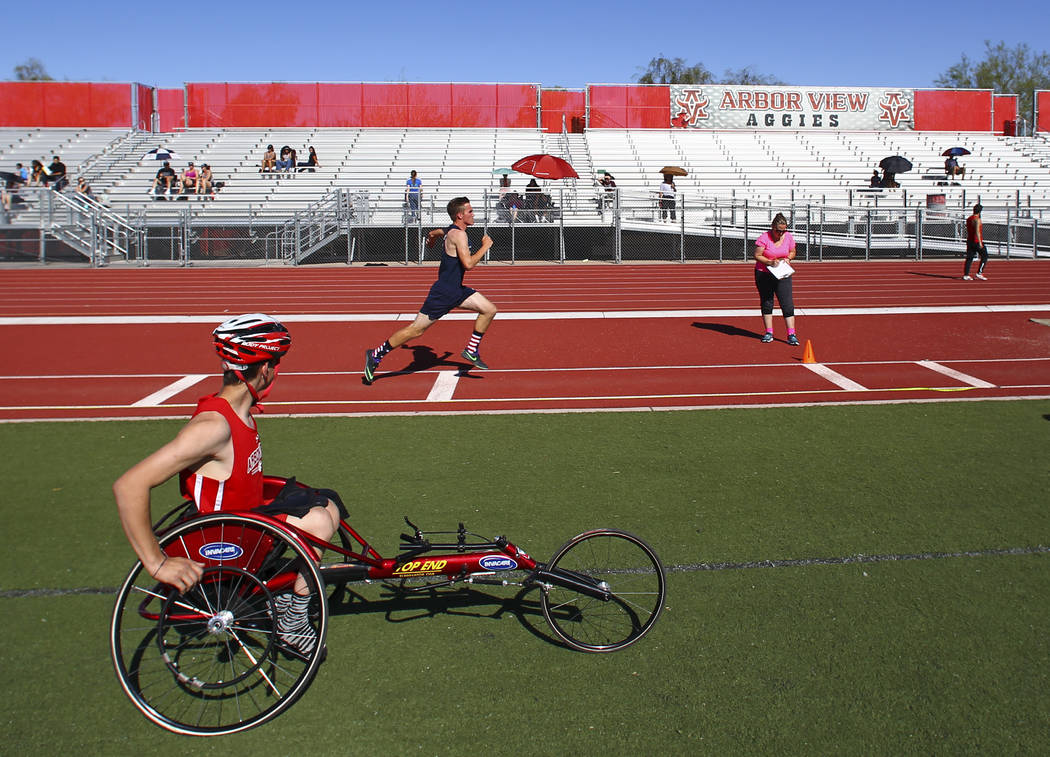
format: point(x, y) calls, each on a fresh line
point(218, 457)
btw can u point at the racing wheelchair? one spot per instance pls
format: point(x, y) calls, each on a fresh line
point(214, 661)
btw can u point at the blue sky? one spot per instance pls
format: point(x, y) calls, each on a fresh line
point(567, 43)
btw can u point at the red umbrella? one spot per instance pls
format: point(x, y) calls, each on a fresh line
point(546, 167)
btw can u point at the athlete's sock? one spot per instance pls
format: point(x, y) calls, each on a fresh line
point(475, 341)
point(790, 332)
point(769, 330)
point(381, 350)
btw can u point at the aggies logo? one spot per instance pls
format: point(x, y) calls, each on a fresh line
point(255, 458)
point(693, 105)
point(894, 109)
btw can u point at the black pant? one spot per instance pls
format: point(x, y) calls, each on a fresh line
point(972, 249)
point(769, 285)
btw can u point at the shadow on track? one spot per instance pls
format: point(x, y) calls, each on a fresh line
point(725, 328)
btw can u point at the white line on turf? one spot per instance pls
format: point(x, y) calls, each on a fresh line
point(152, 400)
point(957, 375)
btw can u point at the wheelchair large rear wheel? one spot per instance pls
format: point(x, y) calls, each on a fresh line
point(630, 578)
point(215, 661)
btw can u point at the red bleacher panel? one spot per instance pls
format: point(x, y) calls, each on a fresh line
point(516, 105)
point(145, 100)
point(1042, 110)
point(65, 104)
point(649, 107)
point(953, 110)
point(171, 112)
point(560, 102)
point(473, 105)
point(339, 104)
point(640, 106)
point(1004, 108)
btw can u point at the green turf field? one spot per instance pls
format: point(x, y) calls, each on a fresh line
point(931, 639)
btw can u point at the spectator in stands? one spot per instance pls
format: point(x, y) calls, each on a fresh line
point(189, 179)
point(953, 169)
point(532, 200)
point(772, 250)
point(413, 194)
point(284, 162)
point(311, 163)
point(165, 178)
point(667, 197)
point(608, 185)
point(57, 178)
point(269, 162)
point(509, 200)
point(876, 180)
point(889, 180)
point(84, 189)
point(204, 182)
point(22, 172)
point(37, 177)
point(975, 244)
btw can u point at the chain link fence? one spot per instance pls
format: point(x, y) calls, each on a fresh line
point(557, 225)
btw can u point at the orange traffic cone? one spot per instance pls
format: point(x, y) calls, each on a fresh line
point(807, 353)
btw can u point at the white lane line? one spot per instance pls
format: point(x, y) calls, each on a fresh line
point(444, 386)
point(170, 390)
point(520, 316)
point(957, 375)
point(835, 377)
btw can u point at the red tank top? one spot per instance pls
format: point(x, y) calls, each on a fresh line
point(971, 228)
point(243, 490)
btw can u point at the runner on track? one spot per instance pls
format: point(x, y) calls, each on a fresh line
point(448, 291)
point(975, 245)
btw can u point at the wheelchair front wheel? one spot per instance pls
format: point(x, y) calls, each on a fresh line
point(622, 566)
point(215, 660)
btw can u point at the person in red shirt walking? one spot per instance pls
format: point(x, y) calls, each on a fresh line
point(218, 458)
point(975, 245)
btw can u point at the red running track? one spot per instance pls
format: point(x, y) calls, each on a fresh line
point(540, 365)
point(517, 288)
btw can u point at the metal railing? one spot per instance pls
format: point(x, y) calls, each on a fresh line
point(563, 223)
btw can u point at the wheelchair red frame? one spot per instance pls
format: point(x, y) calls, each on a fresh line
point(214, 661)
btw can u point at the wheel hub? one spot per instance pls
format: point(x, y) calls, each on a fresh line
point(221, 622)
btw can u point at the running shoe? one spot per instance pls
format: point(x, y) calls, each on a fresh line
point(767, 338)
point(370, 365)
point(793, 340)
point(967, 277)
point(475, 358)
point(982, 277)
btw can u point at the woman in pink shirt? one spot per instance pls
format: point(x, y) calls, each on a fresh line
point(772, 249)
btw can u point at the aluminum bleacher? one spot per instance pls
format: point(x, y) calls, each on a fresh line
point(801, 167)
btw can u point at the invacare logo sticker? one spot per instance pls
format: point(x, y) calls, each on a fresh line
point(497, 562)
point(220, 550)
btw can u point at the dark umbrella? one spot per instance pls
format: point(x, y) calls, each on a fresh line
point(895, 164)
point(161, 153)
point(10, 178)
point(954, 151)
point(545, 167)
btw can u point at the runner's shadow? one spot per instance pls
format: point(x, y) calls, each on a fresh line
point(725, 328)
point(933, 275)
point(424, 358)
